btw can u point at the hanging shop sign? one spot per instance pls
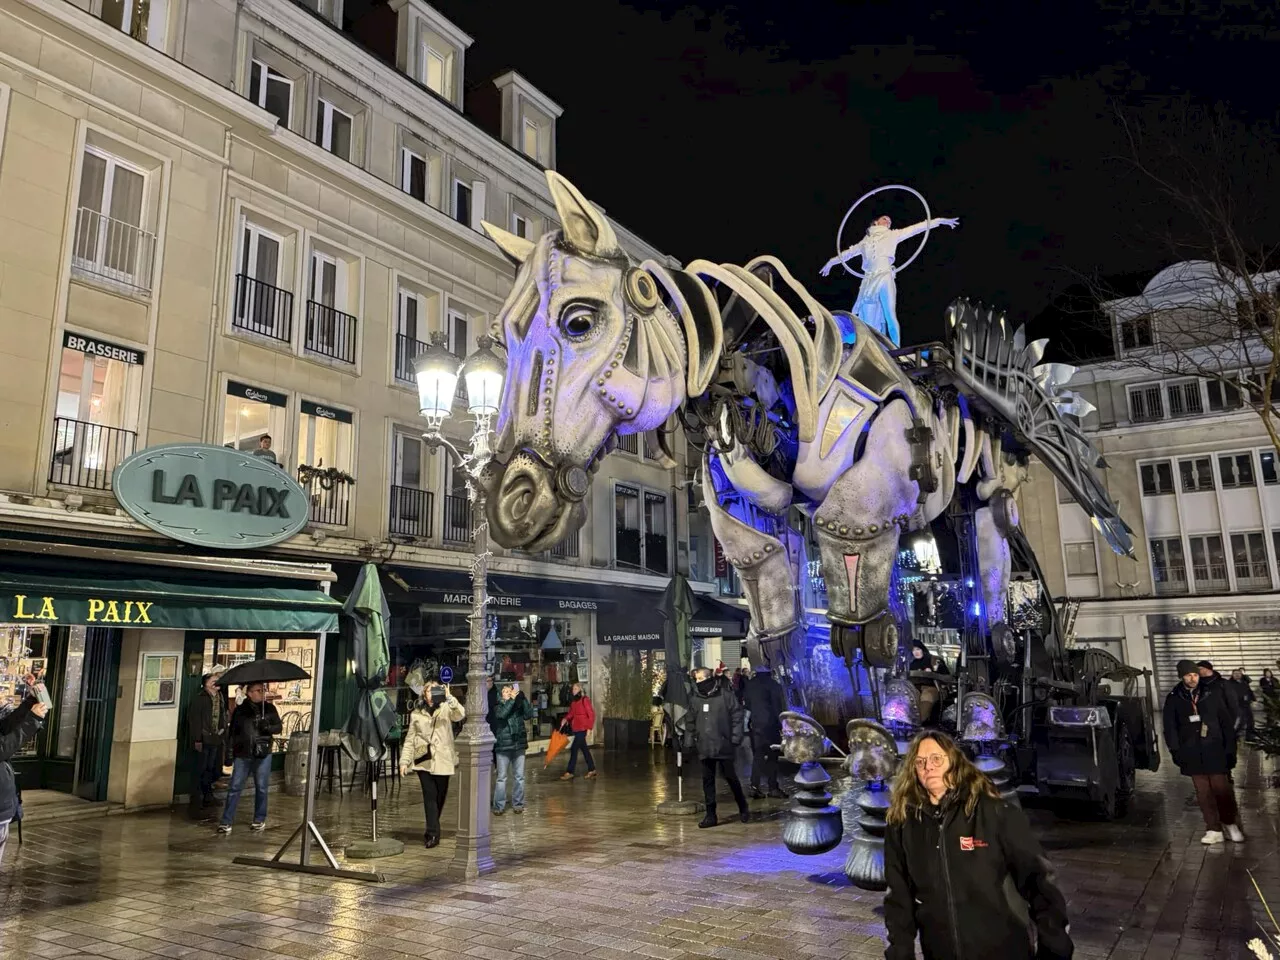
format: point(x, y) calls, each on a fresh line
point(243, 391)
point(210, 496)
point(310, 409)
point(1223, 622)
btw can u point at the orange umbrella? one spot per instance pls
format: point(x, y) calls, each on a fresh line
point(559, 741)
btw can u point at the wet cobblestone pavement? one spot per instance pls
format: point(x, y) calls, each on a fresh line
point(590, 871)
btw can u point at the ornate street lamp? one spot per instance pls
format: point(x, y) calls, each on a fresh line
point(437, 371)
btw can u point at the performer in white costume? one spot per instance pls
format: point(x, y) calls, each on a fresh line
point(877, 304)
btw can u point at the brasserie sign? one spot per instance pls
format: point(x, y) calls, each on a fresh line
point(211, 496)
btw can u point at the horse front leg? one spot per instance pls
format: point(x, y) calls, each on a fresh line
point(993, 526)
point(858, 526)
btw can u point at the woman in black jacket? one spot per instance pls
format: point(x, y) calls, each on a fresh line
point(1200, 731)
point(964, 871)
point(715, 730)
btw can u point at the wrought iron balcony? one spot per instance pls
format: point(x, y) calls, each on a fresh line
point(1171, 580)
point(328, 493)
point(457, 520)
point(84, 453)
point(263, 309)
point(113, 249)
point(330, 333)
point(1211, 577)
point(1253, 576)
point(407, 349)
point(411, 511)
point(656, 553)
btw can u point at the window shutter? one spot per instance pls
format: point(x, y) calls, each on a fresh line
point(477, 204)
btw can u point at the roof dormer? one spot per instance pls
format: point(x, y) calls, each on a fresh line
point(528, 118)
point(430, 49)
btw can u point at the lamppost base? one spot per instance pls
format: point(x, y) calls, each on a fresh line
point(471, 868)
point(680, 808)
point(373, 849)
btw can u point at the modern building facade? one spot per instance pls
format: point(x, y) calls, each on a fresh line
point(1193, 471)
point(237, 223)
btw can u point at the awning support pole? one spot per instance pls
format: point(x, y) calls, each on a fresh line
point(308, 829)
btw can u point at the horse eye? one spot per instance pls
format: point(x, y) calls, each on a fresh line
point(577, 320)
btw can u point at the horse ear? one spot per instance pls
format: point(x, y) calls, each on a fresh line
point(516, 248)
point(584, 226)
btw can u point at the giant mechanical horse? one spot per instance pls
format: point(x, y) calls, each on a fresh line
point(791, 404)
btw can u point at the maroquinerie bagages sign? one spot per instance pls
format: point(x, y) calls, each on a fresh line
point(211, 496)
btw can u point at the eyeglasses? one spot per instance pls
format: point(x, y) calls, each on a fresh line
point(931, 762)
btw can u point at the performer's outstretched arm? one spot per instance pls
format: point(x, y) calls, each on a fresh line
point(906, 233)
point(854, 251)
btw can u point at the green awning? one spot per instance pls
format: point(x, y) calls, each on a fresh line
point(158, 604)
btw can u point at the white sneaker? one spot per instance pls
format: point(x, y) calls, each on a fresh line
point(1234, 833)
point(1211, 837)
point(258, 827)
point(224, 828)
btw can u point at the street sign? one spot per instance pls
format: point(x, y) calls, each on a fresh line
point(211, 496)
point(446, 674)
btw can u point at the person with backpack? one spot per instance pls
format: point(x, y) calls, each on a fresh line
point(580, 720)
point(253, 725)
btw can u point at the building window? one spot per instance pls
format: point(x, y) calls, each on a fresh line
point(99, 396)
point(1157, 478)
point(460, 344)
point(271, 91)
point(411, 332)
point(1082, 559)
point(641, 529)
point(413, 174)
point(109, 241)
point(1222, 396)
point(261, 306)
point(1064, 495)
point(1267, 459)
point(437, 70)
point(468, 202)
point(1237, 470)
point(1146, 403)
point(1185, 399)
point(330, 331)
point(411, 505)
point(657, 525)
point(144, 20)
point(1168, 565)
point(333, 129)
point(1196, 474)
point(1208, 563)
point(326, 441)
point(1136, 333)
point(1249, 557)
point(520, 226)
point(629, 443)
point(627, 538)
point(254, 421)
point(530, 139)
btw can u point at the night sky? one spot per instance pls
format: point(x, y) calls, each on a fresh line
point(727, 131)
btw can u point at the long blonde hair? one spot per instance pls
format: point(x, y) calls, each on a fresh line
point(963, 779)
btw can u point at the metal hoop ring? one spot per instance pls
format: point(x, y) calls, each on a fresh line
point(867, 196)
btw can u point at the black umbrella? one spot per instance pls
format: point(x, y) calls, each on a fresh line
point(262, 671)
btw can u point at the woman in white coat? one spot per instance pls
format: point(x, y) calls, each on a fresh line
point(428, 749)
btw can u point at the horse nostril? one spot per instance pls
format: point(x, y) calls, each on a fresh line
point(521, 504)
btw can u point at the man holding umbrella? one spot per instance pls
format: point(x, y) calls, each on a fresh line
point(254, 724)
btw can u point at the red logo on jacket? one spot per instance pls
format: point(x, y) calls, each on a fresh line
point(970, 843)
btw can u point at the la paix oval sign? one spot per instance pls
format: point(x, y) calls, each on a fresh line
point(211, 496)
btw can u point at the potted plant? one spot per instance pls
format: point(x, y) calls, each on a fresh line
point(628, 699)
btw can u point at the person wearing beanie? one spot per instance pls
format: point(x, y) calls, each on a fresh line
point(1211, 677)
point(1200, 729)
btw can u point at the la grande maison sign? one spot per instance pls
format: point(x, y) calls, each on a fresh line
point(210, 496)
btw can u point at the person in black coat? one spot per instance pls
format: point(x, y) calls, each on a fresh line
point(714, 731)
point(1200, 730)
point(765, 701)
point(922, 661)
point(964, 871)
point(206, 724)
point(16, 728)
point(1244, 704)
point(254, 724)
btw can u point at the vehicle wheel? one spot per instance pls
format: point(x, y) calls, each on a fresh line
point(1126, 767)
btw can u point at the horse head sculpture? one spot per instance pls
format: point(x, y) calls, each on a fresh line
point(597, 347)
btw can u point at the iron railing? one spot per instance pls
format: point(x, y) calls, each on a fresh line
point(1253, 576)
point(655, 553)
point(566, 549)
point(84, 454)
point(411, 510)
point(330, 333)
point(113, 249)
point(407, 348)
point(263, 309)
point(457, 520)
point(1171, 580)
point(1212, 576)
point(329, 497)
point(630, 443)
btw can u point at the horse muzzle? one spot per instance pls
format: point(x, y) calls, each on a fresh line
point(532, 506)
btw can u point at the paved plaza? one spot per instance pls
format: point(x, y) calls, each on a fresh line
point(590, 871)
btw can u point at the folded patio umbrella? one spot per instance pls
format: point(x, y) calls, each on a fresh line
point(374, 715)
point(558, 742)
point(262, 671)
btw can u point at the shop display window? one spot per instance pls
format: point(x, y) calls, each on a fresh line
point(544, 654)
point(23, 650)
point(293, 700)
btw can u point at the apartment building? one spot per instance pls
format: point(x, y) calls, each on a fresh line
point(228, 221)
point(1193, 471)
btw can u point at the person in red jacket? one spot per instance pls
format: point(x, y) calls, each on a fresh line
point(581, 719)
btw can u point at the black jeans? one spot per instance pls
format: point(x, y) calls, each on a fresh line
point(764, 761)
point(731, 777)
point(208, 771)
point(580, 743)
point(434, 789)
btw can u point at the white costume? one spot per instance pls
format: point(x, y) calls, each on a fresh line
point(877, 304)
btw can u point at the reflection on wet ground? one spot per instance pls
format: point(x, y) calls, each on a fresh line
point(590, 871)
